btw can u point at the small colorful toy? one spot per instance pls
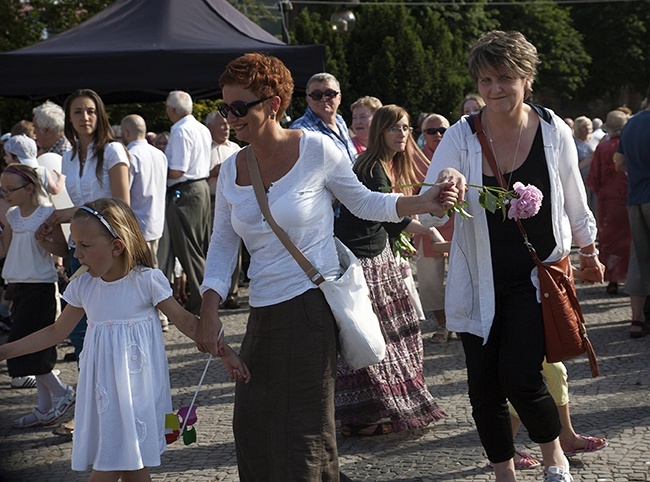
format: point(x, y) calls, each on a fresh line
point(182, 423)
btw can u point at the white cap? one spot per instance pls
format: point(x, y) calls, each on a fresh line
point(24, 148)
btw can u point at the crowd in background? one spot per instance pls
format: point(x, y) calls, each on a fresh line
point(184, 188)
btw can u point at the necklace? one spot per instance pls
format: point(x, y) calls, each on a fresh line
point(82, 161)
point(514, 159)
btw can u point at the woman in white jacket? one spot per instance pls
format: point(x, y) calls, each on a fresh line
point(491, 298)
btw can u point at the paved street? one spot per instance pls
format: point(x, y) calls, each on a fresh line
point(616, 406)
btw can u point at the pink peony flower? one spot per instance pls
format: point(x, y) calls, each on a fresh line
point(527, 204)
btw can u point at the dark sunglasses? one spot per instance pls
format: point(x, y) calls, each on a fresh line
point(328, 94)
point(435, 130)
point(239, 108)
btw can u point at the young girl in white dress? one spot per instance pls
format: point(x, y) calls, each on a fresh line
point(30, 268)
point(123, 391)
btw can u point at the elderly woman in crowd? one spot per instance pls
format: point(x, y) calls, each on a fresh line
point(586, 145)
point(363, 109)
point(284, 418)
point(491, 298)
point(610, 188)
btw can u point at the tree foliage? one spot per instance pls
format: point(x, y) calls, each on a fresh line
point(549, 27)
point(19, 25)
point(412, 55)
point(616, 38)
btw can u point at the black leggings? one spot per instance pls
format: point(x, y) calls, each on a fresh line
point(509, 367)
point(34, 308)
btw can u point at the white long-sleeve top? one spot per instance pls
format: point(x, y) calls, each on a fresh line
point(301, 203)
point(469, 294)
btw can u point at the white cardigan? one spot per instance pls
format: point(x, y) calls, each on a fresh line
point(470, 299)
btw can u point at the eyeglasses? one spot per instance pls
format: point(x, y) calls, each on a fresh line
point(328, 94)
point(435, 130)
point(8, 190)
point(398, 129)
point(239, 108)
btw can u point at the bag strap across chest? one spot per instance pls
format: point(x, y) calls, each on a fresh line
point(256, 180)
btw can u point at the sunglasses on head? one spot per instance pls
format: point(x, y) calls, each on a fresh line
point(239, 108)
point(328, 94)
point(435, 130)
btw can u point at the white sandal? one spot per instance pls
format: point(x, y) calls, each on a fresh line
point(35, 418)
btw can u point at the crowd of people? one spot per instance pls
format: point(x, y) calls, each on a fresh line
point(162, 222)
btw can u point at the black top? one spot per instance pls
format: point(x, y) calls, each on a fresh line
point(367, 239)
point(510, 258)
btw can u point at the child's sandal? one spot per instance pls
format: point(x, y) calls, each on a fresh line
point(35, 418)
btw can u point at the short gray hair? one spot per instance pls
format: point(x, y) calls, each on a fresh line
point(323, 77)
point(50, 116)
point(211, 117)
point(180, 101)
point(504, 52)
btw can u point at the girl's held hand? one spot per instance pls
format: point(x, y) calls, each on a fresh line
point(235, 367)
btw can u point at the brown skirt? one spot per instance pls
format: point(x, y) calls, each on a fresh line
point(284, 418)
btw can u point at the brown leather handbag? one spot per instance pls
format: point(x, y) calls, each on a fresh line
point(565, 333)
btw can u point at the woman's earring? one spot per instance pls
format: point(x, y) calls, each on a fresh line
point(272, 115)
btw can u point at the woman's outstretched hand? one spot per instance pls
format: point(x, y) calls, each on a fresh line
point(441, 196)
point(453, 176)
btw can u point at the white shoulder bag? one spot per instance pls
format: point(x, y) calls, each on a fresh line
point(360, 336)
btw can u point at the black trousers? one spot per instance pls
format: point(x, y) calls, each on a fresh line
point(508, 367)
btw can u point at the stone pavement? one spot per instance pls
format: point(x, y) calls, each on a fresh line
point(616, 406)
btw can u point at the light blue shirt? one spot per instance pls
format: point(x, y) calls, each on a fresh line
point(311, 122)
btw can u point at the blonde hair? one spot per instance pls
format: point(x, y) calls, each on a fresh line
point(29, 174)
point(121, 219)
point(401, 167)
point(580, 122)
point(371, 103)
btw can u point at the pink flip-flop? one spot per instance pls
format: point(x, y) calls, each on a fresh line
point(592, 444)
point(526, 461)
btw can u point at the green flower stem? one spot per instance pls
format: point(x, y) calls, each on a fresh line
point(490, 198)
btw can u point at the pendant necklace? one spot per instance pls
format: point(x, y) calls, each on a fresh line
point(82, 161)
point(514, 159)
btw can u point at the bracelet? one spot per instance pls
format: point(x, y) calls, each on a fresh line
point(589, 255)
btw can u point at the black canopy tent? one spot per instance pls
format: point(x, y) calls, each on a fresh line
point(139, 50)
